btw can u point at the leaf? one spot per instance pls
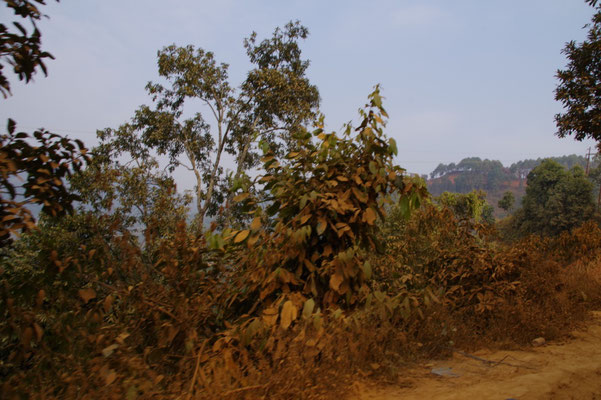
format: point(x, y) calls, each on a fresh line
point(304, 219)
point(373, 167)
point(308, 308)
point(87, 294)
point(11, 126)
point(362, 197)
point(369, 216)
point(367, 269)
point(39, 332)
point(108, 302)
point(405, 207)
point(287, 315)
point(107, 351)
point(321, 226)
point(241, 236)
point(270, 316)
point(40, 297)
point(336, 280)
point(256, 224)
point(253, 239)
point(241, 197)
point(392, 146)
point(110, 377)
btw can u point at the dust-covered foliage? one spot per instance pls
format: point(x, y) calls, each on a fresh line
point(347, 268)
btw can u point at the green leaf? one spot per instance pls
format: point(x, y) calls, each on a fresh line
point(405, 207)
point(392, 146)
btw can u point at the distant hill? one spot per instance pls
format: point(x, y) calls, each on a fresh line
point(491, 176)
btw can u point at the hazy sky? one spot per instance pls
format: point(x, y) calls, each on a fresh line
point(460, 77)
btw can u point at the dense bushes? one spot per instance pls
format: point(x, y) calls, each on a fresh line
point(330, 279)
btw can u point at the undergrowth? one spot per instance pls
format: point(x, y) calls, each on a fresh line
point(331, 281)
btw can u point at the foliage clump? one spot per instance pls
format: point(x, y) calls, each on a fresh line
point(556, 200)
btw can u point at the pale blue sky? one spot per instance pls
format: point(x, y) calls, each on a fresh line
point(460, 77)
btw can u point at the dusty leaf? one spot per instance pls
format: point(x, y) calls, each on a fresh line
point(26, 337)
point(39, 332)
point(369, 216)
point(107, 351)
point(253, 239)
point(40, 298)
point(241, 197)
point(87, 294)
point(241, 236)
point(256, 224)
point(321, 226)
point(108, 302)
point(110, 377)
point(270, 316)
point(336, 280)
point(308, 308)
point(287, 315)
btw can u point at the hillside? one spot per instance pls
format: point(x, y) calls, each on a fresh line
point(492, 176)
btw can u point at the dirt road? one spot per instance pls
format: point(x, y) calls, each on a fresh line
point(566, 370)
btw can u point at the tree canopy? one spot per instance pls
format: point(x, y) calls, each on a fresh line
point(578, 88)
point(272, 103)
point(556, 200)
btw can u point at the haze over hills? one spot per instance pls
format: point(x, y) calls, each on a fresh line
point(492, 176)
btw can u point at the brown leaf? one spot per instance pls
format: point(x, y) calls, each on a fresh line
point(26, 337)
point(336, 280)
point(108, 302)
point(321, 226)
point(87, 294)
point(270, 316)
point(40, 297)
point(241, 236)
point(110, 377)
point(39, 332)
point(287, 315)
point(241, 197)
point(256, 224)
point(253, 239)
point(369, 216)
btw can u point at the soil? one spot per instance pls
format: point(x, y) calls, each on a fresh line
point(570, 369)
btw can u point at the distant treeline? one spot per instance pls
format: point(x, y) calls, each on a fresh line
point(489, 175)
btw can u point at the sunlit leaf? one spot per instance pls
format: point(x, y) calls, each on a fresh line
point(287, 315)
point(241, 236)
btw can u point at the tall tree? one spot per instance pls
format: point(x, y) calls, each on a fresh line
point(275, 99)
point(507, 201)
point(579, 86)
point(556, 200)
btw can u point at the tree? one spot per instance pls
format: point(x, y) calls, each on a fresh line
point(275, 99)
point(578, 89)
point(469, 206)
point(556, 200)
point(507, 201)
point(45, 165)
point(43, 168)
point(20, 50)
point(137, 194)
point(326, 199)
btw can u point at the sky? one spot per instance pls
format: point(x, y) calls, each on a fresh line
point(460, 78)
